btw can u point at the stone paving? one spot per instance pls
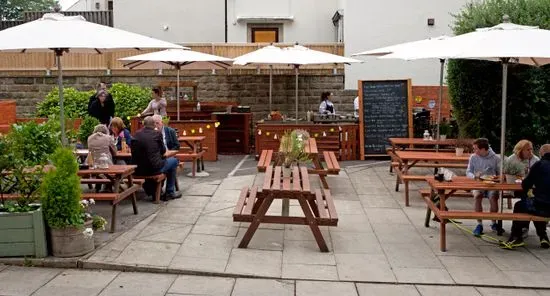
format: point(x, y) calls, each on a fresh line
point(24, 281)
point(378, 240)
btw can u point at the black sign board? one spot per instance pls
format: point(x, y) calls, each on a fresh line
point(384, 113)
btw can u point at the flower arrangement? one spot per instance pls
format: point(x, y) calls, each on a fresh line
point(291, 148)
point(514, 168)
point(98, 222)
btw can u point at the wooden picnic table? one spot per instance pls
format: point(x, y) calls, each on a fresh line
point(408, 159)
point(114, 175)
point(122, 155)
point(196, 155)
point(318, 206)
point(410, 143)
point(446, 189)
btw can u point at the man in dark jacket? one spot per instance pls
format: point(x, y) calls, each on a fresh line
point(148, 153)
point(538, 180)
point(102, 109)
point(169, 137)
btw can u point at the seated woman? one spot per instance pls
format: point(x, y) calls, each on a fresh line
point(523, 153)
point(120, 133)
point(326, 106)
point(157, 105)
point(101, 143)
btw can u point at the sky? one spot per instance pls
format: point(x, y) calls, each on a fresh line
point(66, 3)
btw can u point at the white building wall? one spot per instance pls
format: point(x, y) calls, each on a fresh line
point(203, 21)
point(371, 24)
point(88, 5)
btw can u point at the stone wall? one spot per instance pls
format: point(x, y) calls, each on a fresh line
point(251, 90)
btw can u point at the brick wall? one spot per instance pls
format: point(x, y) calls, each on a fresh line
point(428, 93)
point(8, 115)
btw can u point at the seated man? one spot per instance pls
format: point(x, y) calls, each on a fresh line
point(148, 153)
point(169, 137)
point(483, 162)
point(537, 179)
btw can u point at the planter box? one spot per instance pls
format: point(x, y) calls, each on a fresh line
point(22, 234)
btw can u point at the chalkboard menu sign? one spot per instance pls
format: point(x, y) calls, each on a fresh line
point(383, 113)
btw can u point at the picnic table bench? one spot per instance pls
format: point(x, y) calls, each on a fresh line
point(114, 175)
point(405, 160)
point(195, 152)
point(332, 167)
point(447, 189)
point(317, 205)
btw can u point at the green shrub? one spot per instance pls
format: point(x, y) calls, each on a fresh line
point(75, 103)
point(33, 142)
point(475, 87)
point(129, 100)
point(60, 192)
point(86, 129)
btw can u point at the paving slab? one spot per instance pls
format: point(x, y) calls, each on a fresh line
point(148, 253)
point(355, 243)
point(306, 252)
point(206, 246)
point(378, 201)
point(352, 223)
point(260, 287)
point(24, 280)
point(216, 225)
point(387, 290)
point(422, 275)
point(310, 272)
point(303, 232)
point(165, 232)
point(255, 262)
point(203, 264)
point(387, 216)
point(506, 292)
point(72, 282)
point(139, 284)
point(447, 291)
point(237, 182)
point(305, 288)
point(405, 256)
point(203, 189)
point(202, 285)
point(474, 271)
point(529, 279)
point(263, 239)
point(364, 267)
point(190, 201)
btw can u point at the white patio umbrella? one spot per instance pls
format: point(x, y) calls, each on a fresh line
point(267, 55)
point(410, 51)
point(297, 56)
point(178, 59)
point(61, 34)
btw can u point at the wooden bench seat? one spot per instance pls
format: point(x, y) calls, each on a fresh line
point(157, 179)
point(331, 161)
point(435, 165)
point(193, 157)
point(326, 211)
point(265, 160)
point(465, 194)
point(490, 216)
point(115, 199)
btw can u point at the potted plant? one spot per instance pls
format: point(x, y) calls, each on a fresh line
point(512, 170)
point(444, 130)
point(71, 226)
point(462, 145)
point(291, 149)
point(21, 220)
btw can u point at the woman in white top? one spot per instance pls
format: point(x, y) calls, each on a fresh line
point(523, 154)
point(157, 105)
point(326, 106)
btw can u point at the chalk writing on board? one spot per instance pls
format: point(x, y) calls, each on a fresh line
point(385, 113)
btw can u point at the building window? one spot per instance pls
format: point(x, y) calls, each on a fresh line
point(265, 35)
point(110, 5)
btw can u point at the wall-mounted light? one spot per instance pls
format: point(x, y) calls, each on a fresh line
point(431, 21)
point(165, 27)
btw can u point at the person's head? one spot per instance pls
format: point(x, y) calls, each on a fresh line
point(102, 95)
point(157, 93)
point(325, 96)
point(117, 125)
point(149, 122)
point(158, 121)
point(524, 149)
point(481, 147)
point(101, 129)
point(102, 86)
point(544, 149)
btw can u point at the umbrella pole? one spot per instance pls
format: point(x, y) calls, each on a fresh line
point(441, 71)
point(503, 128)
point(296, 73)
point(58, 54)
point(178, 92)
point(270, 86)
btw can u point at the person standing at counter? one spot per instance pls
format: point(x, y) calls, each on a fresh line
point(356, 107)
point(157, 105)
point(326, 106)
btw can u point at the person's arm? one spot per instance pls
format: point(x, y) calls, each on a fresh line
point(323, 107)
point(160, 144)
point(175, 142)
point(470, 170)
point(333, 108)
point(127, 138)
point(529, 181)
point(111, 105)
point(90, 102)
point(94, 109)
point(149, 108)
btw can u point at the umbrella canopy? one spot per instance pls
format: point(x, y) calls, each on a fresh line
point(296, 55)
point(411, 51)
point(176, 58)
point(58, 33)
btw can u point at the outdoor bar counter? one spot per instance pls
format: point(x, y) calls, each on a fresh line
point(340, 137)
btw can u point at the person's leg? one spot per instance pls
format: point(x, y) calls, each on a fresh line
point(169, 169)
point(493, 201)
point(478, 207)
point(517, 226)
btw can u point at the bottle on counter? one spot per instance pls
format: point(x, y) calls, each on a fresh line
point(186, 97)
point(198, 106)
point(426, 135)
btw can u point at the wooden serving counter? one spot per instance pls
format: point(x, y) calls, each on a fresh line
point(342, 138)
point(205, 128)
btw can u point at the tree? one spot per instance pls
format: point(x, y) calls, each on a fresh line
point(13, 9)
point(475, 87)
